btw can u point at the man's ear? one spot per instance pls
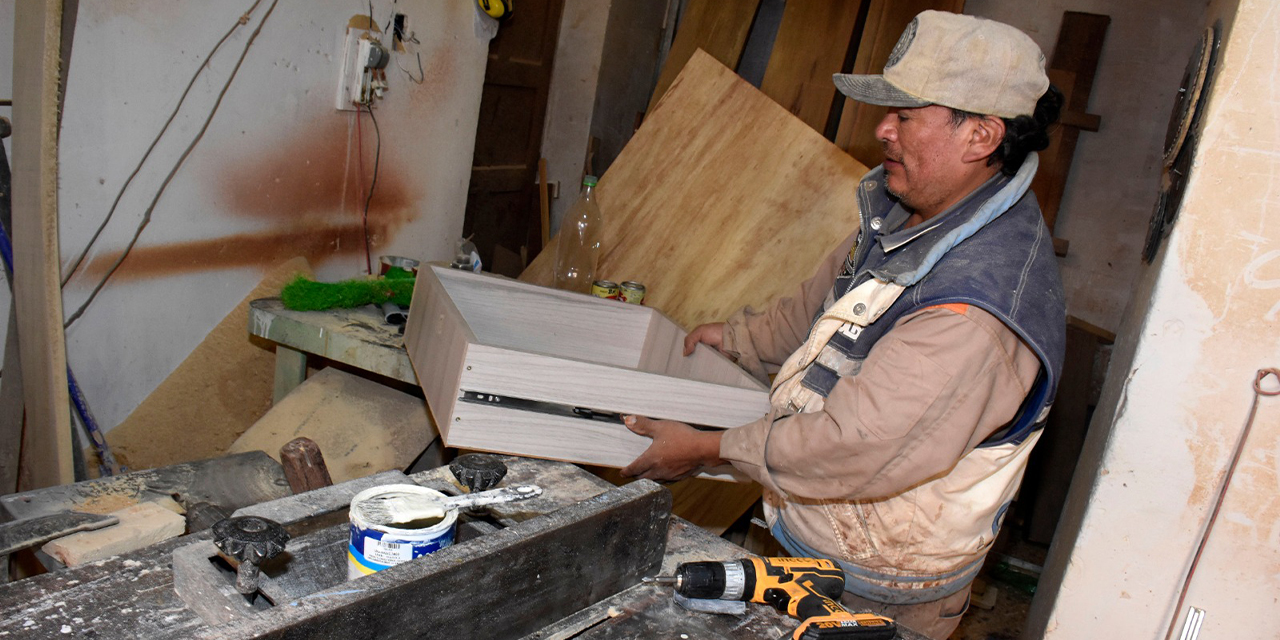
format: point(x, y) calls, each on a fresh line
point(986, 135)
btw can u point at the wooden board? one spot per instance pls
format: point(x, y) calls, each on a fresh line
point(716, 27)
point(218, 391)
point(1074, 65)
point(812, 43)
point(361, 426)
point(886, 20)
point(47, 442)
point(490, 335)
point(722, 199)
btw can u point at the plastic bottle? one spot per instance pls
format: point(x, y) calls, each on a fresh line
point(578, 252)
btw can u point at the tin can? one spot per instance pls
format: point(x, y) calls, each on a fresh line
point(631, 291)
point(374, 547)
point(605, 289)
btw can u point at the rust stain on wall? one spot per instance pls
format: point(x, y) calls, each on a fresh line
point(306, 185)
point(242, 250)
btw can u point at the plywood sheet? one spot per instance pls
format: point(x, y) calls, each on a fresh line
point(886, 20)
point(813, 42)
point(716, 27)
point(217, 393)
point(722, 199)
point(362, 427)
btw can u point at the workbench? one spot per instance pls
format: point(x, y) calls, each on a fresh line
point(134, 595)
point(357, 337)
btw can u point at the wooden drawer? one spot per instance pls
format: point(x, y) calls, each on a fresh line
point(471, 337)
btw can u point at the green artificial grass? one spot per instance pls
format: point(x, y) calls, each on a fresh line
point(308, 295)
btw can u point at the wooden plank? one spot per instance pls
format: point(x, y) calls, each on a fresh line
point(716, 27)
point(1072, 70)
point(713, 213)
point(362, 427)
point(812, 43)
point(436, 332)
point(886, 20)
point(47, 442)
point(505, 584)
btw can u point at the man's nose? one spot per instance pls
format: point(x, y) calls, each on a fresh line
point(887, 130)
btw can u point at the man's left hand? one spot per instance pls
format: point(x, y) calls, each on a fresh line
point(678, 450)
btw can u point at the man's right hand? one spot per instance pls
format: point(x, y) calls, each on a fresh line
point(710, 334)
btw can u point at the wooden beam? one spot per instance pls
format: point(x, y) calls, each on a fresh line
point(886, 20)
point(1074, 64)
point(720, 28)
point(47, 442)
point(812, 43)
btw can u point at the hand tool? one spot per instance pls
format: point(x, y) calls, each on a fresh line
point(394, 507)
point(478, 471)
point(804, 588)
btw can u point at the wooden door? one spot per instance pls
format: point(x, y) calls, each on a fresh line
point(502, 205)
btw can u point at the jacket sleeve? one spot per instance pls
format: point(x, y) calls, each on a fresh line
point(761, 341)
point(933, 388)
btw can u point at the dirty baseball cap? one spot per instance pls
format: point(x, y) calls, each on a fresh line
point(963, 62)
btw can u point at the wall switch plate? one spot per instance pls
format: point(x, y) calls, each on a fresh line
point(355, 79)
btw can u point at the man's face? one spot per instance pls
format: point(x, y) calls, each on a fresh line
point(924, 157)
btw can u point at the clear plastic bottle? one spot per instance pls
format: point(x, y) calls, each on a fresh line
point(578, 251)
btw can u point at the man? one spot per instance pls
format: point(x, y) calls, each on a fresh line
point(915, 370)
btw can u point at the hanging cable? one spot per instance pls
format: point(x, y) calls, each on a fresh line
point(204, 64)
point(1258, 394)
point(146, 217)
point(377, 155)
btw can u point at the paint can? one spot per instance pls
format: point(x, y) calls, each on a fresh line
point(374, 547)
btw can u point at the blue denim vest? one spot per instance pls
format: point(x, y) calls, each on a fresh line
point(991, 250)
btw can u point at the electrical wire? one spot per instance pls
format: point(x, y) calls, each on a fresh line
point(1258, 394)
point(146, 218)
point(204, 64)
point(377, 155)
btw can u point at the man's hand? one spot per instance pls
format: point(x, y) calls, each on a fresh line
point(711, 334)
point(678, 450)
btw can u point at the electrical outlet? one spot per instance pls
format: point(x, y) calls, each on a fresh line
point(351, 74)
point(361, 79)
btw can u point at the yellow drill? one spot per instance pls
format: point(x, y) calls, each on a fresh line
point(805, 588)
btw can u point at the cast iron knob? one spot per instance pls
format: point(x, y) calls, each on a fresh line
point(478, 471)
point(251, 540)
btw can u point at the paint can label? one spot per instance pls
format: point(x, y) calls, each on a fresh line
point(374, 547)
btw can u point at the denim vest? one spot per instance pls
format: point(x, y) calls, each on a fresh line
point(987, 252)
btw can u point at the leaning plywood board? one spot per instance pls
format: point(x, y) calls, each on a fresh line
point(486, 348)
point(715, 27)
point(722, 199)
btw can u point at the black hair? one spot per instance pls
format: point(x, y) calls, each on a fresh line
point(1022, 134)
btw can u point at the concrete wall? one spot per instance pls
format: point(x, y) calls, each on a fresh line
point(1206, 317)
point(276, 175)
point(1115, 175)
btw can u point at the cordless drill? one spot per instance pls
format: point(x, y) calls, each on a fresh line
point(805, 588)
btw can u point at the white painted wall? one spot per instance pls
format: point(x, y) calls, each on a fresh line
point(275, 175)
point(1111, 188)
point(1206, 317)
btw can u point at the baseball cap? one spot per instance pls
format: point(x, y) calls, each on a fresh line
point(963, 62)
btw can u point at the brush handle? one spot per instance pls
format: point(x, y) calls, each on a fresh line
point(493, 496)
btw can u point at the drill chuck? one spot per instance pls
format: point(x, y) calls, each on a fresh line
point(714, 580)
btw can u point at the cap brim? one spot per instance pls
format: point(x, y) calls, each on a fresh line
point(874, 89)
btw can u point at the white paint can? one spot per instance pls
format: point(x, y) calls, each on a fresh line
point(375, 547)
